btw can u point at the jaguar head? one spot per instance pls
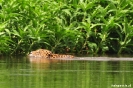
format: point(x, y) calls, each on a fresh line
point(40, 53)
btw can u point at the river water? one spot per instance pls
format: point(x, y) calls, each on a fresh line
point(101, 72)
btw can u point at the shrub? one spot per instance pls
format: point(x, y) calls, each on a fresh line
point(75, 26)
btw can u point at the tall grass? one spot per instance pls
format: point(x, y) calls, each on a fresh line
point(74, 26)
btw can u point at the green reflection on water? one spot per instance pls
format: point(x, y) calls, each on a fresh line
point(20, 73)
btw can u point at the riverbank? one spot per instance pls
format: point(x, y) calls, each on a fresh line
point(76, 26)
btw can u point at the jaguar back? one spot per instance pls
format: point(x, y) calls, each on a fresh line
point(60, 56)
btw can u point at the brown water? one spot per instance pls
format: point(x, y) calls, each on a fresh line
point(19, 72)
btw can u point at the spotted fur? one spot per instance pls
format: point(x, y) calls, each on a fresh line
point(43, 53)
point(54, 56)
point(40, 53)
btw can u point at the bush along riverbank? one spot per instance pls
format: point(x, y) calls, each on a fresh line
point(66, 26)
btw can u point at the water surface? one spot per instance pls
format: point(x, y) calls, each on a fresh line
point(19, 72)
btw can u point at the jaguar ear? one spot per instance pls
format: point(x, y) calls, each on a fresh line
point(30, 53)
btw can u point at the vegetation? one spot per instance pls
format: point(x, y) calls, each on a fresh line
point(66, 26)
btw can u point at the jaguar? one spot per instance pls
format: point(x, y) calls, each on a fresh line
point(44, 53)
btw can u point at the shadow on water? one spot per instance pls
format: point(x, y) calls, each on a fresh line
point(101, 72)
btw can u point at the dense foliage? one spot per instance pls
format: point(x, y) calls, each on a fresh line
point(66, 26)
